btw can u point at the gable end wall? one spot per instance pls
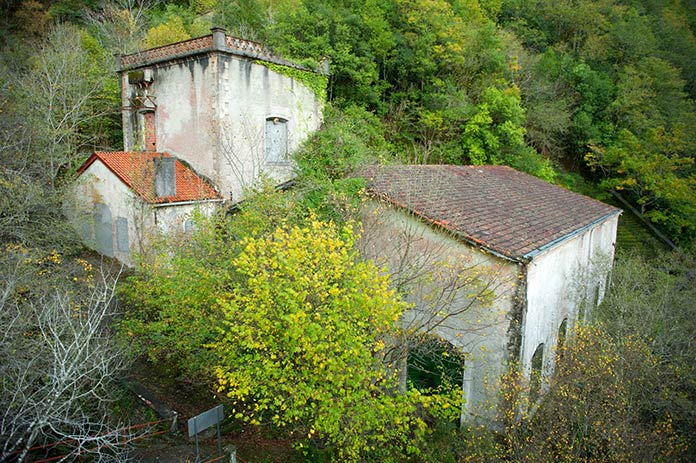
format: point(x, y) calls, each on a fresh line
point(481, 332)
point(563, 283)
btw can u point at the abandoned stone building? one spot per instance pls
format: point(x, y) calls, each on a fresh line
point(496, 262)
point(128, 195)
point(219, 112)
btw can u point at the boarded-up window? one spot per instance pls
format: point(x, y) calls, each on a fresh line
point(122, 234)
point(86, 231)
point(276, 139)
point(103, 230)
point(188, 226)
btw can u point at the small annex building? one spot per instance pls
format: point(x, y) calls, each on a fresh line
point(227, 111)
point(128, 196)
point(497, 263)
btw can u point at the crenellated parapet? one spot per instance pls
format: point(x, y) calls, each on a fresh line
point(218, 41)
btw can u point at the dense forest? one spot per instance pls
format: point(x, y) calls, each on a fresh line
point(596, 96)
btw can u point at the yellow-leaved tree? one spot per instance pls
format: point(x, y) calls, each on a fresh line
point(304, 346)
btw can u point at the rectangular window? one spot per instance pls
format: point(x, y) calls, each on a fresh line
point(188, 227)
point(103, 230)
point(122, 234)
point(276, 139)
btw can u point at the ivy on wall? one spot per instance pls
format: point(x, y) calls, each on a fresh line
point(312, 80)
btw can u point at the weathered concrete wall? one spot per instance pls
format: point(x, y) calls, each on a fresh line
point(171, 219)
point(99, 188)
point(426, 260)
point(251, 93)
point(212, 110)
point(562, 282)
point(185, 94)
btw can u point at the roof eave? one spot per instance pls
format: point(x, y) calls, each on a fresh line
point(486, 248)
point(88, 162)
point(528, 257)
point(91, 161)
point(459, 235)
point(523, 259)
point(187, 202)
point(211, 48)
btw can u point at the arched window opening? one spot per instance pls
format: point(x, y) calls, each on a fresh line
point(582, 309)
point(535, 376)
point(434, 362)
point(562, 337)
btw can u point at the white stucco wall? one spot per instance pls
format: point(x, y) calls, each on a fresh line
point(250, 93)
point(99, 186)
point(185, 94)
point(211, 112)
point(561, 282)
point(396, 239)
point(171, 218)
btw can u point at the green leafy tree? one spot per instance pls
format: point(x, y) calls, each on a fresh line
point(546, 97)
point(655, 301)
point(661, 181)
point(69, 99)
point(171, 22)
point(173, 30)
point(173, 310)
point(495, 135)
point(56, 107)
point(120, 25)
point(350, 137)
point(243, 18)
point(675, 38)
point(173, 306)
point(356, 36)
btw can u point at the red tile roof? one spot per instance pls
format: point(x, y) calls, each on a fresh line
point(136, 170)
point(496, 207)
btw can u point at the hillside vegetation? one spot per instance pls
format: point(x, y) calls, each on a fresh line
point(602, 89)
point(596, 96)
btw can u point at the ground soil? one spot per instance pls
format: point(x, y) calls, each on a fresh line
point(188, 400)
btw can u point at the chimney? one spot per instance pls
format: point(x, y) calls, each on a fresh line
point(150, 129)
point(165, 176)
point(219, 38)
point(323, 66)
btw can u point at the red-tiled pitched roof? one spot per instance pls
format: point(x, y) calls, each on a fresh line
point(137, 169)
point(497, 207)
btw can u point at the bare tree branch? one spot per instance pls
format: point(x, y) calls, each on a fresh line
point(60, 362)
